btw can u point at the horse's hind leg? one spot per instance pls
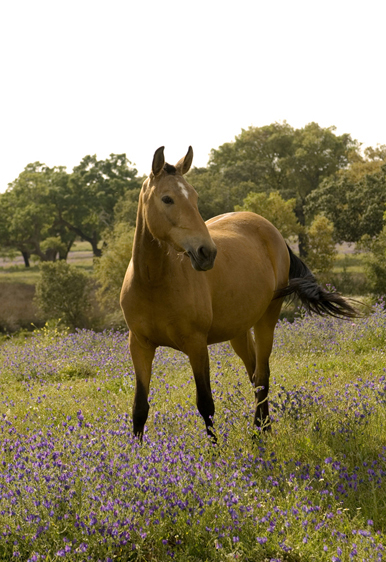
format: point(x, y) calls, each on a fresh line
point(142, 357)
point(244, 346)
point(264, 331)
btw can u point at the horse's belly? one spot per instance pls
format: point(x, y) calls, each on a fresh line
point(235, 317)
point(240, 299)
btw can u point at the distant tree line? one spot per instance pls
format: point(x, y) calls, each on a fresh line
point(313, 184)
point(45, 209)
point(320, 171)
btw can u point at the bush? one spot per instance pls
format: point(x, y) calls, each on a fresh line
point(375, 262)
point(275, 209)
point(64, 292)
point(110, 269)
point(321, 249)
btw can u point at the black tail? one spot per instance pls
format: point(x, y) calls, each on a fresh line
point(313, 297)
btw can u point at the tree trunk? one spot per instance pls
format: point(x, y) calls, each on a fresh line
point(299, 211)
point(96, 251)
point(51, 254)
point(64, 255)
point(26, 255)
point(93, 241)
point(303, 245)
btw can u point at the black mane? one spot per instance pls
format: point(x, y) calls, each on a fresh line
point(169, 169)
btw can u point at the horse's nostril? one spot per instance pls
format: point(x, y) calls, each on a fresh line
point(203, 252)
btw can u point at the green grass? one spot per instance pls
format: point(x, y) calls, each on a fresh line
point(80, 246)
point(312, 490)
point(30, 275)
point(19, 274)
point(352, 263)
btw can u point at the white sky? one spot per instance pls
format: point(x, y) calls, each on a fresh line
point(99, 77)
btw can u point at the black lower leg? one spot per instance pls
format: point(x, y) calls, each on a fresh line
point(205, 406)
point(262, 419)
point(140, 410)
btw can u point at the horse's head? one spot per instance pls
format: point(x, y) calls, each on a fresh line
point(171, 212)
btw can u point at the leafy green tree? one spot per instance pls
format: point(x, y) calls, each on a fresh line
point(257, 155)
point(321, 248)
point(273, 158)
point(353, 200)
point(213, 198)
point(45, 209)
point(125, 211)
point(275, 209)
point(63, 292)
point(111, 267)
point(375, 260)
point(27, 213)
point(86, 206)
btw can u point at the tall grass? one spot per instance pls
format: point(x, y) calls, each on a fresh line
point(76, 485)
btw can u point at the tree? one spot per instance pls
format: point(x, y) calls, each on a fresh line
point(354, 200)
point(321, 248)
point(45, 209)
point(125, 211)
point(27, 214)
point(86, 205)
point(275, 209)
point(278, 158)
point(251, 163)
point(257, 155)
point(375, 260)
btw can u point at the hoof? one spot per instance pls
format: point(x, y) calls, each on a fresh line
point(138, 433)
point(212, 435)
point(263, 424)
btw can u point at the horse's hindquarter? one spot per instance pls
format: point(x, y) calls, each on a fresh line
point(251, 263)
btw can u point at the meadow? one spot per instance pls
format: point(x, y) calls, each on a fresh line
point(76, 485)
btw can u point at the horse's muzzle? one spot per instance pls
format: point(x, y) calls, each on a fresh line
point(203, 258)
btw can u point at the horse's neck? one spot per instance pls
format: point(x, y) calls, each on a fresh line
point(150, 256)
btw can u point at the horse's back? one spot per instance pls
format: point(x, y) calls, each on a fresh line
point(245, 236)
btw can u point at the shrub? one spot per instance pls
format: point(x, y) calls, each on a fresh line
point(64, 292)
point(321, 249)
point(110, 269)
point(275, 209)
point(375, 262)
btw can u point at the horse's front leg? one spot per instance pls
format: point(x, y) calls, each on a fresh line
point(142, 356)
point(199, 360)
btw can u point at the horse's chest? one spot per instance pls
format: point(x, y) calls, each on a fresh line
point(167, 317)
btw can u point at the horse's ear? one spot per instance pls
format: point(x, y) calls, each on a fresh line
point(183, 165)
point(158, 161)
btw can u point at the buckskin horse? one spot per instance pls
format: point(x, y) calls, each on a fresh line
point(192, 283)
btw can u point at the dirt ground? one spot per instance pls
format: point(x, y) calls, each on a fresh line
point(17, 309)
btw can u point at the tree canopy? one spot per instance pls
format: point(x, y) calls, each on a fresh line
point(273, 158)
point(275, 209)
point(44, 209)
point(354, 200)
point(311, 168)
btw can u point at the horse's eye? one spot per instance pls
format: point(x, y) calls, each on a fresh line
point(167, 200)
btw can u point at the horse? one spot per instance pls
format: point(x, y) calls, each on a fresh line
point(192, 283)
